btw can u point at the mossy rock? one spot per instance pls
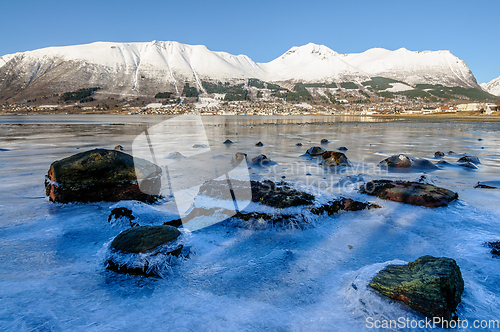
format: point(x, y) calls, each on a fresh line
point(102, 175)
point(432, 286)
point(144, 238)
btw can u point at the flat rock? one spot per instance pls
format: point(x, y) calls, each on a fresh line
point(316, 151)
point(429, 285)
point(414, 193)
point(102, 175)
point(493, 184)
point(143, 238)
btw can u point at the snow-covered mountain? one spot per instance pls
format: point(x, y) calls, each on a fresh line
point(312, 63)
point(492, 87)
point(428, 67)
point(135, 69)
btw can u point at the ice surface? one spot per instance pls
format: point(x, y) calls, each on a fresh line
point(53, 278)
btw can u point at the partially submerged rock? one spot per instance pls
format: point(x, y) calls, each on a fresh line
point(175, 155)
point(144, 250)
point(342, 148)
point(493, 184)
point(333, 159)
point(102, 175)
point(119, 148)
point(228, 141)
point(429, 285)
point(259, 144)
point(464, 160)
point(316, 151)
point(238, 158)
point(495, 248)
point(324, 141)
point(122, 214)
point(415, 193)
point(404, 161)
point(262, 160)
point(200, 146)
point(143, 238)
point(298, 144)
point(439, 154)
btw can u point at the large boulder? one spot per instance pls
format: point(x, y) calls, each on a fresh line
point(415, 193)
point(432, 286)
point(333, 159)
point(102, 175)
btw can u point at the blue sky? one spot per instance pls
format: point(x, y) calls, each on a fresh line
point(264, 30)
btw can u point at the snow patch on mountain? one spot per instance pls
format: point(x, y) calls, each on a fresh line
point(492, 87)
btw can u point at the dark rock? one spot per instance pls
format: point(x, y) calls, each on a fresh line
point(228, 141)
point(143, 238)
point(259, 144)
point(316, 151)
point(495, 248)
point(102, 175)
point(488, 184)
point(429, 285)
point(403, 161)
point(262, 160)
point(438, 154)
point(346, 204)
point(451, 152)
point(397, 160)
point(333, 158)
point(324, 141)
point(409, 192)
point(342, 148)
point(468, 164)
point(298, 144)
point(200, 146)
point(122, 212)
point(119, 148)
point(479, 139)
point(469, 159)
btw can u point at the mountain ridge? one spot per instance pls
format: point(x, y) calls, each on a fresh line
point(145, 68)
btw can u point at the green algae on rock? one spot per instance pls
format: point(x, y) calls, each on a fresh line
point(432, 286)
point(102, 175)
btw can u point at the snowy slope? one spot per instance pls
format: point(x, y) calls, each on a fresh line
point(312, 63)
point(428, 67)
point(492, 87)
point(136, 69)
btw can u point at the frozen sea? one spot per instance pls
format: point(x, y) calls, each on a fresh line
point(52, 272)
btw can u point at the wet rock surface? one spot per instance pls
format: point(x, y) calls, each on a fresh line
point(259, 144)
point(432, 286)
point(333, 159)
point(145, 250)
point(143, 238)
point(315, 151)
point(493, 184)
point(228, 141)
point(102, 175)
point(414, 193)
point(469, 159)
point(438, 154)
point(402, 161)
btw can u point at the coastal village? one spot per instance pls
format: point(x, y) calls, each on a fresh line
point(210, 106)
